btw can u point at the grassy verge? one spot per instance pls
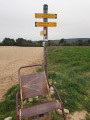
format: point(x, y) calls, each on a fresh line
point(69, 67)
point(7, 106)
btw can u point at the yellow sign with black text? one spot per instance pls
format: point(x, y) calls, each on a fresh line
point(45, 15)
point(45, 24)
point(43, 32)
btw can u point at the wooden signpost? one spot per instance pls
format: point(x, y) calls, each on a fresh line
point(45, 24)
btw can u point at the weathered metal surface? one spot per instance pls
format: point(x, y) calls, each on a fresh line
point(45, 116)
point(37, 109)
point(34, 85)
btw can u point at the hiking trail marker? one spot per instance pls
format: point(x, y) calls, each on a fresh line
point(45, 24)
point(43, 32)
point(44, 15)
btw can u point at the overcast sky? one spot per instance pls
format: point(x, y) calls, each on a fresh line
point(17, 18)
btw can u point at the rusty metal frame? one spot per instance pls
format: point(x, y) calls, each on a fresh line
point(30, 66)
point(59, 98)
point(19, 76)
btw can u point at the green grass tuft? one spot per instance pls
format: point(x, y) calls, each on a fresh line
point(8, 105)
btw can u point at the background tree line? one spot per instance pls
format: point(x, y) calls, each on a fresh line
point(20, 42)
point(29, 43)
point(62, 42)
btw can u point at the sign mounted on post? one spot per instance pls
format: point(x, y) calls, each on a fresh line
point(45, 24)
point(43, 32)
point(45, 15)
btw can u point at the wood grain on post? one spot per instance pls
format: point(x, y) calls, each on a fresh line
point(45, 39)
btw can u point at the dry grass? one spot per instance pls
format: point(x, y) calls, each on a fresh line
point(11, 59)
point(78, 115)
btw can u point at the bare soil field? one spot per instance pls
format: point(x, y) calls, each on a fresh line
point(11, 59)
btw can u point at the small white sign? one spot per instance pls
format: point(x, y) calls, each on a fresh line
point(45, 38)
point(43, 44)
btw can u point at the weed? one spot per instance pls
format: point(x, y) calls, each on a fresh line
point(88, 117)
point(39, 69)
point(7, 106)
point(87, 104)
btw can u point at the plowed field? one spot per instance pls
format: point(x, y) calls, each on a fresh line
point(11, 59)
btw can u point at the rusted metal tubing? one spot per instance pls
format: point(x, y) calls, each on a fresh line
point(17, 105)
point(59, 98)
point(28, 66)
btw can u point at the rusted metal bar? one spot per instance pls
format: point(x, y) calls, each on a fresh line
point(17, 105)
point(59, 98)
point(28, 66)
point(38, 109)
point(45, 116)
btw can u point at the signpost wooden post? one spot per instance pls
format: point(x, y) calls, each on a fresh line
point(45, 24)
point(45, 39)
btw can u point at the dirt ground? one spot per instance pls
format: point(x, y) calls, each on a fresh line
point(78, 115)
point(11, 59)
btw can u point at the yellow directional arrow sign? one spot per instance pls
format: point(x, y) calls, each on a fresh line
point(45, 24)
point(45, 15)
point(43, 32)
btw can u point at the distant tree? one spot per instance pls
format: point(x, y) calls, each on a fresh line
point(21, 42)
point(73, 43)
point(79, 42)
point(88, 42)
point(28, 43)
point(67, 44)
point(0, 43)
point(62, 42)
point(8, 42)
point(39, 43)
point(51, 43)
